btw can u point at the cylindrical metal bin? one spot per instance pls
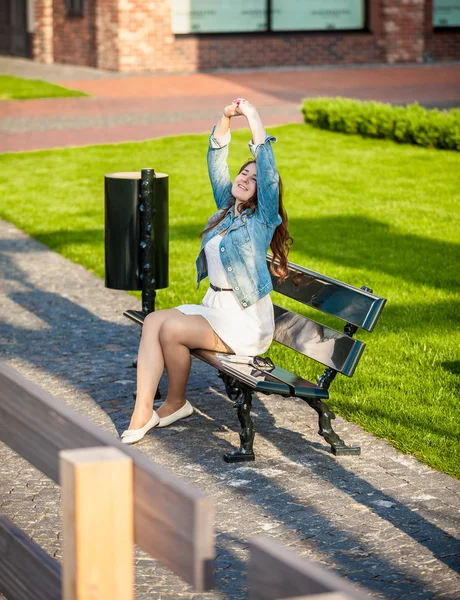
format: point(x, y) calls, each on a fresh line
point(123, 252)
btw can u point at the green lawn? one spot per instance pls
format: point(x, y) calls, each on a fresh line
point(16, 88)
point(364, 211)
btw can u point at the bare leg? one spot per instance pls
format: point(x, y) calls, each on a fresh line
point(150, 365)
point(178, 336)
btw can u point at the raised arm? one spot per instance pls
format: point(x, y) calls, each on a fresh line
point(217, 156)
point(223, 124)
point(254, 121)
point(267, 173)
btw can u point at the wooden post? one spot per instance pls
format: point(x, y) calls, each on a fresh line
point(98, 531)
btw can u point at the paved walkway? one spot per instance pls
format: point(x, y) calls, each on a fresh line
point(129, 107)
point(383, 519)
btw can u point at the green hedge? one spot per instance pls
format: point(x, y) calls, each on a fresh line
point(410, 124)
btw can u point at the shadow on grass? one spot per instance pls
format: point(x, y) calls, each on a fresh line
point(422, 316)
point(452, 366)
point(357, 242)
point(367, 244)
point(410, 422)
point(58, 239)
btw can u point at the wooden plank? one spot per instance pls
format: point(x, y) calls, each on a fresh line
point(326, 596)
point(27, 572)
point(330, 296)
point(174, 522)
point(276, 573)
point(97, 524)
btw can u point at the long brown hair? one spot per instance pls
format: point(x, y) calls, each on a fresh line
point(281, 241)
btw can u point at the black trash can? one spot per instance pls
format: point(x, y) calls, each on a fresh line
point(136, 242)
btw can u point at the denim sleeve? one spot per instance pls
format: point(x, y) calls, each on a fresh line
point(218, 169)
point(267, 181)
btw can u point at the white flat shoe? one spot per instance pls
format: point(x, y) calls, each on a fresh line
point(131, 436)
point(183, 412)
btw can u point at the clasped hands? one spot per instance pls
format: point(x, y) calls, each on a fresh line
point(239, 107)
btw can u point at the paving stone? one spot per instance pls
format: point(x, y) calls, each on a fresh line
point(382, 519)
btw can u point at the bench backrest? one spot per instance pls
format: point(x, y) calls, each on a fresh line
point(320, 342)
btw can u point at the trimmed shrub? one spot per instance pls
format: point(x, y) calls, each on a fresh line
point(410, 124)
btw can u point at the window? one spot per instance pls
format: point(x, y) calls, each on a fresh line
point(223, 16)
point(289, 15)
point(75, 8)
point(218, 16)
point(446, 13)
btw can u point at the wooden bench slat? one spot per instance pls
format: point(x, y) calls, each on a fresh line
point(27, 572)
point(330, 296)
point(319, 342)
point(173, 520)
point(275, 572)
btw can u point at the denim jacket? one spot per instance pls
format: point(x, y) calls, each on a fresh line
point(244, 246)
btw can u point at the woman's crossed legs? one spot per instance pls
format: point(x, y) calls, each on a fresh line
point(167, 338)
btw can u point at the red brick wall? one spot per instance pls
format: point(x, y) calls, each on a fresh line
point(107, 35)
point(440, 44)
point(403, 27)
point(272, 50)
point(135, 35)
point(74, 38)
point(146, 43)
point(42, 38)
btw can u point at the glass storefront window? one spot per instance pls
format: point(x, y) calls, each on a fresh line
point(289, 15)
point(446, 13)
point(236, 16)
point(211, 16)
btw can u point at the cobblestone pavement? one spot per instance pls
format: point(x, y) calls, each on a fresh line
point(130, 107)
point(382, 520)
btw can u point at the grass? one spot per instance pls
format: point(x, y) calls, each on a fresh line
point(363, 211)
point(16, 88)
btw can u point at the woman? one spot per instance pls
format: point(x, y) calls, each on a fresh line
point(236, 315)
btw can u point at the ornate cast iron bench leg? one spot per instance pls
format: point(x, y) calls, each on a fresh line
point(325, 414)
point(245, 451)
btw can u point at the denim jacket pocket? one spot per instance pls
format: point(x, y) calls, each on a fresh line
point(239, 233)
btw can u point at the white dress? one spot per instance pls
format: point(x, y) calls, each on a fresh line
point(248, 331)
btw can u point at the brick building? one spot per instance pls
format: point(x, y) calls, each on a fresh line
point(192, 35)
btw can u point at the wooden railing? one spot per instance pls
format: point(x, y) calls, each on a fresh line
point(170, 519)
point(276, 573)
point(113, 496)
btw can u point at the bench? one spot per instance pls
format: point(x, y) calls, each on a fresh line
point(338, 352)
